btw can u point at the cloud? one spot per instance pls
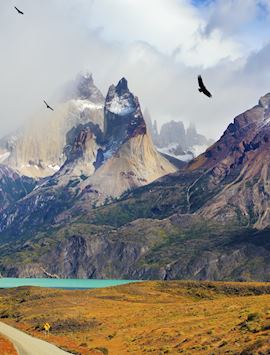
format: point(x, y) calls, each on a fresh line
point(172, 27)
point(230, 15)
point(159, 45)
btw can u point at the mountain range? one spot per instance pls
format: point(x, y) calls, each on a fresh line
point(117, 208)
point(175, 141)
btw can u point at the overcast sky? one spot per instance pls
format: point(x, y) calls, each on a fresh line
point(160, 46)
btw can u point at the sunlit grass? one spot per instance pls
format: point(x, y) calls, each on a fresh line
point(156, 317)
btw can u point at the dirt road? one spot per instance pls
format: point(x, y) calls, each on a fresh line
point(27, 345)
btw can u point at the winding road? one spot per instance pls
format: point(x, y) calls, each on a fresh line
point(27, 345)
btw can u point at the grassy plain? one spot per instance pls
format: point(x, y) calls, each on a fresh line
point(163, 317)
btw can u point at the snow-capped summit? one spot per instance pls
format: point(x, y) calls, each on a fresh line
point(120, 100)
point(128, 158)
point(123, 116)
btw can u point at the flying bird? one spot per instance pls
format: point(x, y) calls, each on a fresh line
point(48, 106)
point(19, 11)
point(202, 88)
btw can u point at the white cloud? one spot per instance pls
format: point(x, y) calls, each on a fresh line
point(170, 26)
point(207, 51)
point(159, 45)
point(230, 15)
point(163, 24)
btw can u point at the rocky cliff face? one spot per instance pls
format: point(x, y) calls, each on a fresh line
point(13, 186)
point(38, 149)
point(82, 149)
point(172, 132)
point(236, 170)
point(179, 247)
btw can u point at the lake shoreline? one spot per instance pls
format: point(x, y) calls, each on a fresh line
point(66, 284)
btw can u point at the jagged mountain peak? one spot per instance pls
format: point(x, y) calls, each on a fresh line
point(86, 89)
point(123, 116)
point(245, 130)
point(120, 100)
point(122, 87)
point(82, 88)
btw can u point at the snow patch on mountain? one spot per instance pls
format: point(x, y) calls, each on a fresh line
point(170, 149)
point(192, 153)
point(120, 106)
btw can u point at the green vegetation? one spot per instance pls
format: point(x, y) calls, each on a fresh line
point(157, 200)
point(184, 240)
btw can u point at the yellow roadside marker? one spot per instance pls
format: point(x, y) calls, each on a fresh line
point(47, 327)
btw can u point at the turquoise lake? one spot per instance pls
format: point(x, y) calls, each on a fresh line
point(71, 284)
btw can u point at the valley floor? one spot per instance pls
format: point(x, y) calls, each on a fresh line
point(167, 317)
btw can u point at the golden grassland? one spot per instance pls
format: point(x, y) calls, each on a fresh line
point(166, 317)
point(6, 347)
